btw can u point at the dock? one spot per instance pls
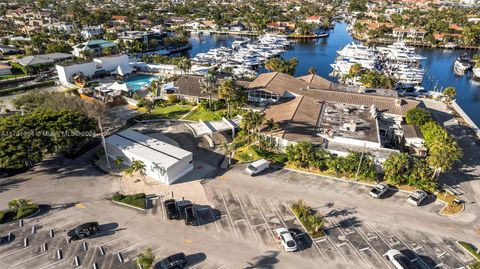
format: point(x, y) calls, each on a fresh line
point(466, 118)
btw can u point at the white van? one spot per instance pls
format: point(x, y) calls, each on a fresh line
point(257, 167)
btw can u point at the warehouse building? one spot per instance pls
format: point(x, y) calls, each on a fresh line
point(164, 162)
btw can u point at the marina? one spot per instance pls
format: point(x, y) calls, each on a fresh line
point(438, 63)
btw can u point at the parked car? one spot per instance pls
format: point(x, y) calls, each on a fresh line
point(178, 260)
point(181, 205)
point(417, 197)
point(257, 167)
point(190, 216)
point(83, 231)
point(171, 209)
point(399, 260)
point(286, 239)
point(378, 190)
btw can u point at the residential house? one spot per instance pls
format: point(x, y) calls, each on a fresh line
point(90, 32)
point(119, 19)
point(281, 27)
point(94, 47)
point(314, 19)
point(62, 26)
point(142, 36)
point(4, 49)
point(44, 59)
point(409, 33)
point(237, 26)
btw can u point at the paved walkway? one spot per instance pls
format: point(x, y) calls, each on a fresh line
point(466, 174)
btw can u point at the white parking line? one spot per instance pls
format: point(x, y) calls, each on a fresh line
point(123, 249)
point(13, 252)
point(29, 259)
point(264, 219)
point(276, 212)
point(52, 264)
point(228, 213)
point(407, 246)
point(360, 233)
point(64, 224)
point(104, 243)
point(318, 249)
point(356, 250)
point(246, 218)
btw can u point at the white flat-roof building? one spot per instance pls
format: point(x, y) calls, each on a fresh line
point(164, 162)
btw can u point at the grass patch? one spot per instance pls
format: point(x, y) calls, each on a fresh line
point(174, 111)
point(246, 154)
point(310, 219)
point(473, 251)
point(205, 115)
point(449, 200)
point(136, 200)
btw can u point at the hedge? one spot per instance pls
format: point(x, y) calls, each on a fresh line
point(10, 215)
point(27, 87)
point(136, 200)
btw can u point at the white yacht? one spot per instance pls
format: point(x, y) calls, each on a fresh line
point(357, 51)
point(462, 64)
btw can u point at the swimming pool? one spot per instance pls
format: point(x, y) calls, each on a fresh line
point(137, 82)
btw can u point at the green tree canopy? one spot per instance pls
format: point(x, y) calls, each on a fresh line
point(418, 116)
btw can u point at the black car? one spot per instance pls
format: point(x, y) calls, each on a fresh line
point(181, 205)
point(190, 216)
point(83, 231)
point(178, 260)
point(171, 209)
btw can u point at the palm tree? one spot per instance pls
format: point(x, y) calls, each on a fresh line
point(272, 125)
point(208, 85)
point(118, 161)
point(136, 166)
point(155, 87)
point(184, 65)
point(229, 148)
point(230, 92)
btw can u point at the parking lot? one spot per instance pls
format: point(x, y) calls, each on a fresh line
point(47, 246)
point(347, 241)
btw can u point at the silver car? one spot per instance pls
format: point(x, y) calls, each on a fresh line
point(417, 197)
point(379, 190)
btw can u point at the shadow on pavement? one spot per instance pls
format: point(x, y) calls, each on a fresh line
point(107, 229)
point(303, 239)
point(266, 261)
point(195, 259)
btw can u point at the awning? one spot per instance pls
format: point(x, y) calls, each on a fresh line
point(123, 70)
point(120, 87)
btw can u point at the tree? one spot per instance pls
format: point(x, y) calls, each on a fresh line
point(450, 93)
point(208, 84)
point(395, 168)
point(443, 155)
point(145, 259)
point(118, 161)
point(136, 166)
point(312, 70)
point(278, 64)
point(300, 154)
point(231, 92)
point(418, 116)
point(355, 70)
point(229, 148)
point(184, 65)
point(271, 125)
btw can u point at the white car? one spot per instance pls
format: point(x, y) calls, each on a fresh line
point(286, 238)
point(399, 260)
point(378, 190)
point(417, 197)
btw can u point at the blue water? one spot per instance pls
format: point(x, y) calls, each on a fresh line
point(321, 53)
point(140, 81)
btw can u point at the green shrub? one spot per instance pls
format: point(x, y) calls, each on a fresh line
point(312, 222)
point(136, 200)
point(172, 98)
point(26, 211)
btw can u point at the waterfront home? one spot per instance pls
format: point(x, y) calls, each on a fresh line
point(93, 48)
point(145, 37)
point(314, 19)
point(281, 27)
point(409, 33)
point(237, 26)
point(90, 32)
point(311, 108)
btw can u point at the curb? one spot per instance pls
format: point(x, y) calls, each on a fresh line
point(452, 215)
point(27, 217)
point(130, 206)
point(301, 223)
point(341, 179)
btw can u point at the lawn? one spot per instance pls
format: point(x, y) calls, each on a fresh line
point(205, 115)
point(473, 251)
point(249, 154)
point(174, 111)
point(449, 200)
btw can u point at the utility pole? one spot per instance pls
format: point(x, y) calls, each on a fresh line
point(361, 159)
